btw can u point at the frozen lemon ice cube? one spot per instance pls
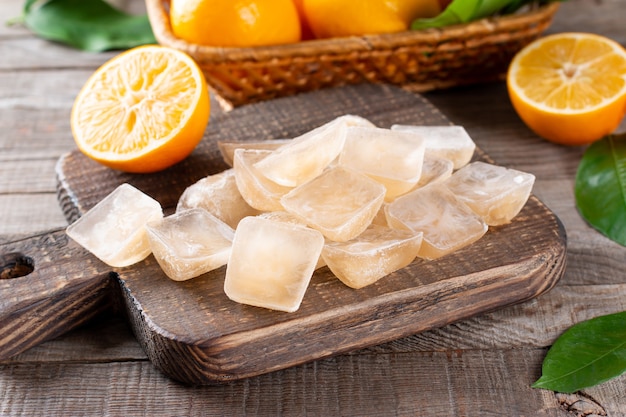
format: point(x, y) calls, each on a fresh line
point(285, 216)
point(435, 170)
point(380, 218)
point(450, 142)
point(306, 156)
point(227, 149)
point(190, 243)
point(446, 222)
point(114, 229)
point(340, 203)
point(393, 158)
point(496, 193)
point(218, 194)
point(375, 253)
point(258, 191)
point(271, 263)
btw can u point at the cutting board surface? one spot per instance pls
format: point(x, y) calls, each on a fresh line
point(195, 334)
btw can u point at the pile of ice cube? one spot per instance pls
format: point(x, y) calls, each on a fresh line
point(362, 200)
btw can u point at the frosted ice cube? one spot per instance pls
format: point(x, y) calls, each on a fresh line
point(375, 253)
point(257, 190)
point(380, 218)
point(218, 194)
point(340, 203)
point(306, 156)
point(227, 149)
point(284, 216)
point(435, 170)
point(450, 142)
point(190, 243)
point(447, 223)
point(393, 158)
point(114, 229)
point(496, 193)
point(271, 263)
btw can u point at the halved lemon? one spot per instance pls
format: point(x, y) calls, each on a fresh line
point(142, 111)
point(570, 88)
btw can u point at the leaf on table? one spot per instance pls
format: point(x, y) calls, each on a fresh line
point(90, 25)
point(600, 187)
point(587, 354)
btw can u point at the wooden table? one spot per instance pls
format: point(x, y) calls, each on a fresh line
point(482, 366)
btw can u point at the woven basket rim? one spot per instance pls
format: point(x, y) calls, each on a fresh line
point(159, 20)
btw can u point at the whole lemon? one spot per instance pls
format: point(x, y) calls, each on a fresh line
point(336, 18)
point(239, 23)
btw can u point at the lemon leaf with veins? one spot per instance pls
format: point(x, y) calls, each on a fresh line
point(90, 25)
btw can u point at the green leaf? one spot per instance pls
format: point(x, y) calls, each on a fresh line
point(587, 354)
point(462, 11)
point(91, 25)
point(600, 187)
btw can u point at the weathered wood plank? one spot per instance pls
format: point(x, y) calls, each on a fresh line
point(113, 342)
point(462, 383)
point(27, 176)
point(37, 212)
point(529, 325)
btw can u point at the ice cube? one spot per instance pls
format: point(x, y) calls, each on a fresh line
point(340, 203)
point(380, 218)
point(375, 253)
point(190, 243)
point(114, 229)
point(446, 222)
point(306, 156)
point(496, 193)
point(227, 149)
point(450, 142)
point(218, 194)
point(258, 191)
point(435, 170)
point(393, 158)
point(284, 216)
point(271, 263)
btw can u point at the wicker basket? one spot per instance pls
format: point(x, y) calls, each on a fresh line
point(417, 60)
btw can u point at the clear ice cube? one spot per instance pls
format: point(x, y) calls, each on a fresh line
point(218, 194)
point(450, 142)
point(258, 191)
point(190, 243)
point(393, 158)
point(435, 170)
point(227, 149)
point(284, 216)
point(340, 203)
point(375, 253)
point(496, 193)
point(271, 263)
point(306, 156)
point(446, 222)
point(114, 229)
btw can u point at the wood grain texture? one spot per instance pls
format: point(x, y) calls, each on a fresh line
point(64, 290)
point(99, 369)
point(389, 384)
point(195, 334)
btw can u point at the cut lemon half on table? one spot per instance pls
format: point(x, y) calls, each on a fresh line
point(143, 111)
point(570, 88)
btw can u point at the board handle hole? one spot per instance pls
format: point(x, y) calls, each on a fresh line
point(15, 265)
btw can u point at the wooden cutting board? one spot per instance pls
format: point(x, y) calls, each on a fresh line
point(194, 333)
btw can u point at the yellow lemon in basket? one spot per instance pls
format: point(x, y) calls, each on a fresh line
point(570, 88)
point(336, 18)
point(238, 23)
point(142, 111)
